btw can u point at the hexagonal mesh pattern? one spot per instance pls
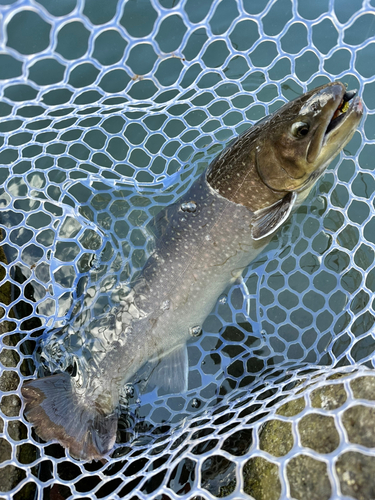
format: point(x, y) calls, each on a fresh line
point(109, 111)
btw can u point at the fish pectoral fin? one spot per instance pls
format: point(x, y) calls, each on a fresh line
point(267, 220)
point(170, 372)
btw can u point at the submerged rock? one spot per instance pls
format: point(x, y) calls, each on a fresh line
point(318, 430)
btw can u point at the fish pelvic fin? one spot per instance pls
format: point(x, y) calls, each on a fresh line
point(58, 413)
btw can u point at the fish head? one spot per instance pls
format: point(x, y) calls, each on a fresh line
point(297, 142)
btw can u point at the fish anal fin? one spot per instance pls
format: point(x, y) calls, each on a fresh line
point(170, 372)
point(58, 414)
point(268, 220)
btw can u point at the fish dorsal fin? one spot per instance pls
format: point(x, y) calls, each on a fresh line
point(267, 220)
point(170, 373)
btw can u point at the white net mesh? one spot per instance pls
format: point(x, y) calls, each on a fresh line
point(109, 111)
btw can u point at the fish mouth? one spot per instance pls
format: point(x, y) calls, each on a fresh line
point(348, 103)
point(339, 130)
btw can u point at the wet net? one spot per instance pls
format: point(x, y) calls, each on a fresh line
point(109, 111)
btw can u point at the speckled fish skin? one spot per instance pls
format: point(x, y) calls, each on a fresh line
point(202, 244)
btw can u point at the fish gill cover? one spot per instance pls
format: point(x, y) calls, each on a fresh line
point(109, 111)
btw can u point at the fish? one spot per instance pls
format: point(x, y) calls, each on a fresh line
point(203, 242)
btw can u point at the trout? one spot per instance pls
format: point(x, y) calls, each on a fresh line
point(202, 244)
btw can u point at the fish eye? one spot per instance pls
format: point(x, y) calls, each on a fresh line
point(300, 129)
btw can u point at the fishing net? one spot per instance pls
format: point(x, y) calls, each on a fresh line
point(109, 111)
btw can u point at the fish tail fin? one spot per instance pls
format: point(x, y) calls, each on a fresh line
point(58, 413)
